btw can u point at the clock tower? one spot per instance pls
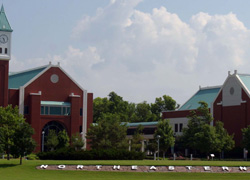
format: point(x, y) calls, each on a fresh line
point(5, 45)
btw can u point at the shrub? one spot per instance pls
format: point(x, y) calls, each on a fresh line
point(109, 154)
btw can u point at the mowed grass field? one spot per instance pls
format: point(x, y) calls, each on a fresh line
point(11, 170)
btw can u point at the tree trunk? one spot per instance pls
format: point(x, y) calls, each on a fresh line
point(163, 155)
point(8, 154)
point(21, 160)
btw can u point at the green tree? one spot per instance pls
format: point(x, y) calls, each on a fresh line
point(246, 137)
point(100, 106)
point(52, 140)
point(143, 112)
point(63, 139)
point(23, 143)
point(137, 138)
point(197, 119)
point(206, 140)
point(166, 135)
point(108, 133)
point(226, 141)
point(200, 135)
point(10, 119)
point(163, 103)
point(77, 141)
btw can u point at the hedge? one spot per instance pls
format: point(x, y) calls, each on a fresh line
point(109, 154)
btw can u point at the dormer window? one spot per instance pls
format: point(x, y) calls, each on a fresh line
point(1, 50)
point(6, 51)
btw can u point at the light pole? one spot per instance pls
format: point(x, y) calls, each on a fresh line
point(158, 140)
point(43, 140)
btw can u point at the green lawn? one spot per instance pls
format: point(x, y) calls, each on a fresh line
point(11, 170)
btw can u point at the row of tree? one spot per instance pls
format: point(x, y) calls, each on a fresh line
point(109, 132)
point(131, 112)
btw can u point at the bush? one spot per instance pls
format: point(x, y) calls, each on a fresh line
point(109, 154)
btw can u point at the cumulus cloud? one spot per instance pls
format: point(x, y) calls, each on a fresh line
point(145, 55)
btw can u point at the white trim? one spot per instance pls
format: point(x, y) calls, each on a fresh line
point(21, 100)
point(220, 103)
point(84, 117)
point(229, 75)
point(243, 85)
point(36, 77)
point(33, 69)
point(212, 113)
point(69, 77)
point(36, 94)
point(73, 95)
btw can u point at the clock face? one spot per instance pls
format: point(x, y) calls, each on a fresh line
point(3, 38)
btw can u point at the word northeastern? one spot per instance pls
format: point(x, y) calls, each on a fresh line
point(135, 168)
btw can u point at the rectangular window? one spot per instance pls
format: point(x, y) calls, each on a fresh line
point(181, 126)
point(80, 129)
point(42, 110)
point(55, 110)
point(46, 110)
point(6, 51)
point(26, 110)
point(1, 50)
point(175, 127)
point(81, 112)
point(66, 111)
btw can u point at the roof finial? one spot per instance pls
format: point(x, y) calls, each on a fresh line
point(229, 73)
point(235, 71)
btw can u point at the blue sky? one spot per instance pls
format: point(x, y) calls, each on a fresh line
point(141, 49)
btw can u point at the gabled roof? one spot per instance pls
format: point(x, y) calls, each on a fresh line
point(21, 78)
point(245, 78)
point(207, 94)
point(4, 23)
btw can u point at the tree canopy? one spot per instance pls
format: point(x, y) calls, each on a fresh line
point(108, 133)
point(10, 120)
point(200, 135)
point(164, 130)
point(131, 112)
point(23, 144)
point(246, 137)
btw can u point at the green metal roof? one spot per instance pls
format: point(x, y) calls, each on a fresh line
point(4, 23)
point(245, 78)
point(154, 123)
point(207, 95)
point(55, 103)
point(19, 79)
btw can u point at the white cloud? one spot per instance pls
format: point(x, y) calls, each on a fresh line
point(145, 55)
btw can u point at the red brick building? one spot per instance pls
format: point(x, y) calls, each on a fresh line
point(47, 96)
point(229, 103)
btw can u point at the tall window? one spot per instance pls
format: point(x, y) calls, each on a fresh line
point(1, 50)
point(6, 50)
point(175, 127)
point(180, 127)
